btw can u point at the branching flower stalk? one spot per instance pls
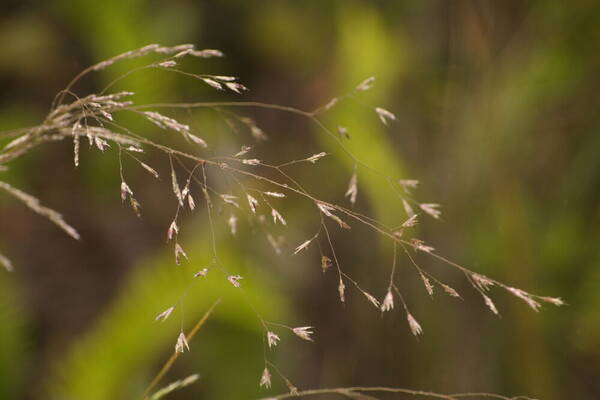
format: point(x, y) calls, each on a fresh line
point(257, 185)
point(370, 393)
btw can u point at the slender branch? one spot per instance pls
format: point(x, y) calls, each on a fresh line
point(349, 391)
point(167, 365)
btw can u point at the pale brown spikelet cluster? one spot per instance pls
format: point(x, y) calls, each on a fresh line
point(316, 157)
point(371, 299)
point(431, 209)
point(415, 328)
point(275, 194)
point(277, 217)
point(304, 332)
point(252, 202)
point(165, 314)
point(343, 132)
point(352, 188)
point(342, 290)
point(366, 84)
point(326, 263)
point(251, 161)
point(408, 208)
point(230, 199)
point(244, 150)
point(329, 212)
point(265, 378)
point(235, 280)
point(202, 273)
point(34, 205)
point(179, 253)
point(272, 339)
point(388, 301)
point(6, 263)
point(449, 290)
point(384, 115)
point(490, 304)
point(302, 246)
point(247, 201)
point(526, 297)
point(408, 184)
point(182, 344)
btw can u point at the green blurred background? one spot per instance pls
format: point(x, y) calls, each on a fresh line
point(497, 106)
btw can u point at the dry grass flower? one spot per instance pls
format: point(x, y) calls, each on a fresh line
point(95, 118)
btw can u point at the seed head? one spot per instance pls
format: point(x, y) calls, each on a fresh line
point(265, 379)
point(275, 194)
point(230, 199)
point(234, 280)
point(408, 184)
point(252, 202)
point(490, 304)
point(326, 263)
point(173, 230)
point(278, 217)
point(316, 157)
point(304, 332)
point(232, 222)
point(178, 253)
point(371, 298)
point(431, 209)
point(303, 246)
point(407, 208)
point(342, 290)
point(415, 328)
point(366, 84)
point(203, 272)
point(181, 344)
point(167, 64)
point(352, 188)
point(384, 115)
point(165, 314)
point(243, 151)
point(388, 301)
point(125, 190)
point(272, 339)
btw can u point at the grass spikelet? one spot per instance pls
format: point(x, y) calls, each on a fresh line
point(265, 379)
point(6, 263)
point(326, 263)
point(175, 187)
point(179, 253)
point(365, 85)
point(302, 246)
point(182, 343)
point(327, 210)
point(253, 203)
point(385, 115)
point(304, 332)
point(352, 188)
point(342, 290)
point(232, 222)
point(414, 326)
point(490, 304)
point(316, 157)
point(277, 217)
point(34, 205)
point(388, 301)
point(165, 314)
point(235, 280)
point(272, 339)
